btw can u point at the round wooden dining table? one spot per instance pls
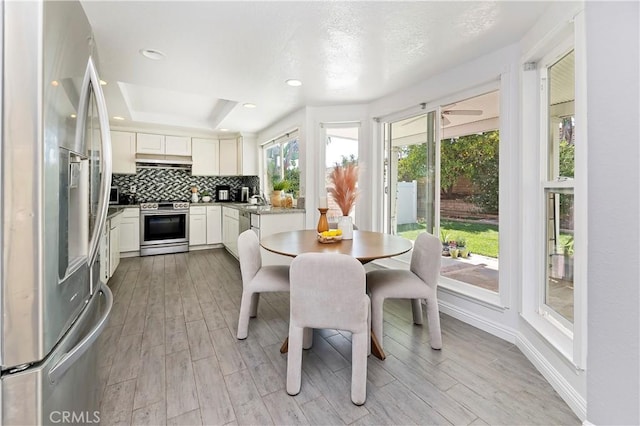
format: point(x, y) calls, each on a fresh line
point(365, 246)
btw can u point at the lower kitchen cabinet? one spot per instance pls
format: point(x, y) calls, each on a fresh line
point(205, 225)
point(104, 252)
point(114, 243)
point(129, 238)
point(230, 229)
point(197, 226)
point(268, 224)
point(214, 225)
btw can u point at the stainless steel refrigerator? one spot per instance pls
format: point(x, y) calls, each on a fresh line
point(55, 168)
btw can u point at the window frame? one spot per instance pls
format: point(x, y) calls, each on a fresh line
point(570, 342)
point(281, 141)
point(502, 299)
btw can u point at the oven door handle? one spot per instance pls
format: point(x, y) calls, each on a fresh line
point(164, 212)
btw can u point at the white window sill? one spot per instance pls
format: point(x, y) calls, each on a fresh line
point(553, 333)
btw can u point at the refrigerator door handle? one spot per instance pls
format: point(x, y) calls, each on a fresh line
point(105, 135)
point(72, 356)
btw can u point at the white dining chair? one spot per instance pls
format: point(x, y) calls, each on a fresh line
point(256, 279)
point(328, 291)
point(419, 282)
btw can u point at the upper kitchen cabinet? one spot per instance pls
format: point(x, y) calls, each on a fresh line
point(150, 144)
point(229, 157)
point(163, 145)
point(123, 146)
point(205, 154)
point(177, 145)
point(247, 155)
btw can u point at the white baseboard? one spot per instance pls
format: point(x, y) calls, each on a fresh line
point(205, 247)
point(491, 327)
point(573, 399)
point(130, 254)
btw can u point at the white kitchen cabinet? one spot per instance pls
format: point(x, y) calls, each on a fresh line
point(230, 229)
point(228, 157)
point(150, 144)
point(114, 243)
point(273, 223)
point(123, 152)
point(104, 253)
point(197, 226)
point(247, 155)
point(214, 225)
point(177, 145)
point(163, 145)
point(206, 157)
point(130, 230)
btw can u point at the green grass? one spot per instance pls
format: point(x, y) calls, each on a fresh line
point(482, 238)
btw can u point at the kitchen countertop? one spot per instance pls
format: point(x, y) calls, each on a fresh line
point(252, 208)
point(115, 209)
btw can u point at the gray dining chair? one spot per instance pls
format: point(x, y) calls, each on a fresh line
point(256, 279)
point(328, 291)
point(419, 282)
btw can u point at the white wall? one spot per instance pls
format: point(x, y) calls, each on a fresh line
point(312, 163)
point(613, 357)
point(613, 374)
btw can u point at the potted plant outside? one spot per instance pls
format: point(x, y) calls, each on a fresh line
point(568, 259)
point(444, 238)
point(461, 244)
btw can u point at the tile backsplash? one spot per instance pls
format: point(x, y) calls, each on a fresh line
point(153, 184)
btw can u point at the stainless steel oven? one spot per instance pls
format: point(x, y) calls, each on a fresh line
point(164, 228)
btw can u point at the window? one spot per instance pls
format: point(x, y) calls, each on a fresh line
point(442, 177)
point(558, 190)
point(282, 163)
point(341, 147)
point(554, 187)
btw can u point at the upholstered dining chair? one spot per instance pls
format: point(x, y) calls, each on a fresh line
point(419, 282)
point(328, 291)
point(256, 279)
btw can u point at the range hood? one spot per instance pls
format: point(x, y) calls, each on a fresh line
point(163, 159)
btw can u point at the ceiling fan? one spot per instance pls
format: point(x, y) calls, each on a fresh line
point(446, 112)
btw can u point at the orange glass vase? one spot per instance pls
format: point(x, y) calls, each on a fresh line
point(323, 224)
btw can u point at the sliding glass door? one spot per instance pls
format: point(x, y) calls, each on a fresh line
point(442, 177)
point(410, 176)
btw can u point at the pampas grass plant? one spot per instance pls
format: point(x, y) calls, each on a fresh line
point(344, 179)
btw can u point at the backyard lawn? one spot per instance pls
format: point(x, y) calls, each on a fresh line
point(482, 238)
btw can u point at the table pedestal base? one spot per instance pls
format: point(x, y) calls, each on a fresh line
point(376, 349)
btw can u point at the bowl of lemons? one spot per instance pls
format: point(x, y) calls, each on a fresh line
point(330, 236)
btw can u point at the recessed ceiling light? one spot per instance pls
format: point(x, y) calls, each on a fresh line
point(54, 83)
point(293, 82)
point(73, 116)
point(117, 117)
point(156, 55)
point(103, 83)
point(249, 105)
point(224, 130)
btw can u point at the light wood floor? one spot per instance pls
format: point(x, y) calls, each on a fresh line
point(170, 356)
